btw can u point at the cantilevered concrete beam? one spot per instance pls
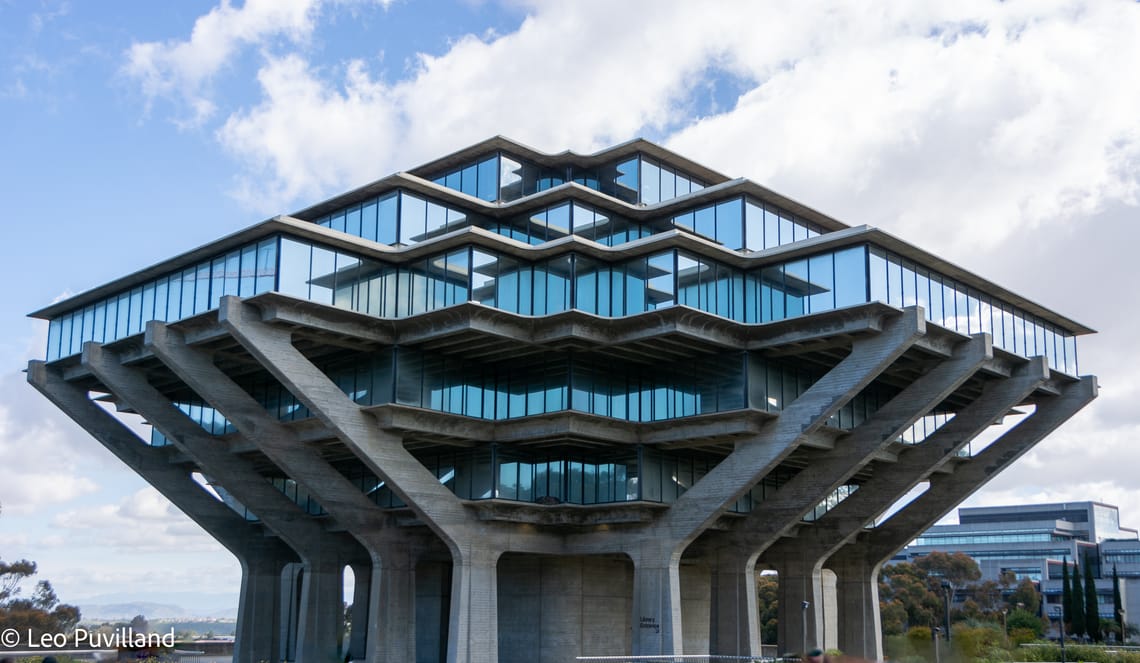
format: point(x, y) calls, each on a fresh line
point(261, 555)
point(804, 556)
point(656, 557)
point(858, 564)
point(737, 549)
point(393, 634)
point(473, 631)
point(946, 492)
point(322, 553)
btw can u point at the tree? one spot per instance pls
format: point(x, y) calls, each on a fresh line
point(768, 605)
point(958, 568)
point(1092, 611)
point(140, 625)
point(41, 613)
point(1117, 604)
point(988, 596)
point(1024, 619)
point(909, 586)
point(1077, 605)
point(1027, 595)
point(11, 575)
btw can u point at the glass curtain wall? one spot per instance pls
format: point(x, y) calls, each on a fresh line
point(304, 269)
point(504, 178)
point(570, 218)
point(899, 282)
point(246, 271)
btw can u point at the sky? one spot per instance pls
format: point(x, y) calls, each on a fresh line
point(1004, 137)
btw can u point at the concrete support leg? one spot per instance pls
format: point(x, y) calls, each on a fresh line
point(392, 630)
point(473, 632)
point(657, 604)
point(321, 618)
point(735, 628)
point(857, 595)
point(801, 603)
point(259, 609)
point(361, 610)
point(291, 582)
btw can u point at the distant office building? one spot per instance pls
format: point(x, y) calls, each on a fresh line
point(548, 405)
point(1033, 540)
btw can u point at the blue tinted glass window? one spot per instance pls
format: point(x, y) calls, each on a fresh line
point(387, 219)
point(488, 187)
point(850, 276)
point(729, 222)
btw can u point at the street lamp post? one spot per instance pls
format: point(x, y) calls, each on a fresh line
point(1061, 620)
point(803, 612)
point(947, 589)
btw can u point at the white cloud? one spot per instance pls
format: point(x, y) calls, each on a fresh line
point(53, 474)
point(184, 69)
point(142, 522)
point(864, 114)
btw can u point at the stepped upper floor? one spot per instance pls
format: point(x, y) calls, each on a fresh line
point(626, 230)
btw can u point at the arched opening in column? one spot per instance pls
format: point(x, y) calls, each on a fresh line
point(767, 607)
point(553, 608)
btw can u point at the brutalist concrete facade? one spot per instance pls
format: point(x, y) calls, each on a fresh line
point(556, 405)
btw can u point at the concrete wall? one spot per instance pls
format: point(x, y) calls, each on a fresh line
point(562, 607)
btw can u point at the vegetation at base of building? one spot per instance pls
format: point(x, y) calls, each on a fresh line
point(768, 604)
point(1087, 653)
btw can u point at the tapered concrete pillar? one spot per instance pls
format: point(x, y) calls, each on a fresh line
point(321, 616)
point(858, 620)
point(392, 632)
point(656, 602)
point(259, 608)
point(473, 635)
point(800, 612)
point(735, 627)
point(361, 609)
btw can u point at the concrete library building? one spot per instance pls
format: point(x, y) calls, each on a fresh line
point(558, 405)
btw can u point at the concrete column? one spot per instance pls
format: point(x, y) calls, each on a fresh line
point(800, 581)
point(321, 616)
point(473, 633)
point(656, 602)
point(259, 609)
point(735, 628)
point(292, 579)
point(361, 611)
point(392, 632)
point(857, 597)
